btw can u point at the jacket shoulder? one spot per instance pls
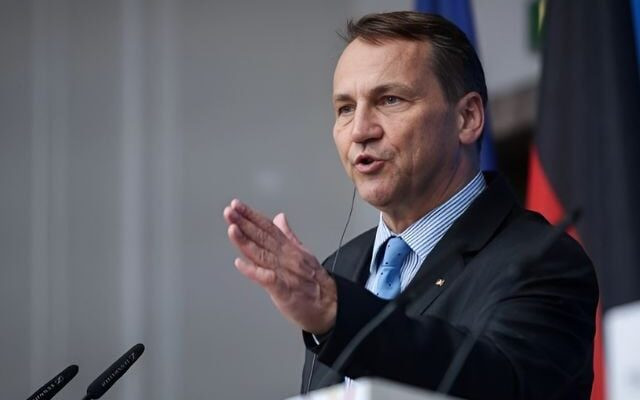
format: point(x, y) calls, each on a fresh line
point(349, 259)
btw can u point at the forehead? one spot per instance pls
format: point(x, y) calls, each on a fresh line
point(364, 65)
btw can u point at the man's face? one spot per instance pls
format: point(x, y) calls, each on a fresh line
point(395, 132)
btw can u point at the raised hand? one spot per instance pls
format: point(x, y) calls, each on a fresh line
point(275, 259)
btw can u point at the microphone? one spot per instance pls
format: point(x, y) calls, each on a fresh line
point(49, 389)
point(407, 298)
point(104, 382)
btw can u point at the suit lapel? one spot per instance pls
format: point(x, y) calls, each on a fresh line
point(467, 235)
point(441, 269)
point(354, 258)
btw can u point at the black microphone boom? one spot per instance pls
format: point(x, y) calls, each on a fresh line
point(49, 389)
point(114, 372)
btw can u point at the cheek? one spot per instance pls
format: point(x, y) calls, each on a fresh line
point(342, 145)
point(416, 147)
point(416, 159)
point(424, 153)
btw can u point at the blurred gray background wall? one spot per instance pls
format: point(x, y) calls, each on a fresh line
point(125, 128)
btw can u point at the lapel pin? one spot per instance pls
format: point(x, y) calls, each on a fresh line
point(440, 282)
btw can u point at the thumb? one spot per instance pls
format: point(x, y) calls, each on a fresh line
point(281, 222)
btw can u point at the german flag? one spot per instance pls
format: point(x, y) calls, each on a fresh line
point(586, 152)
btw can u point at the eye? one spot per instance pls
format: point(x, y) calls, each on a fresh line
point(390, 100)
point(345, 109)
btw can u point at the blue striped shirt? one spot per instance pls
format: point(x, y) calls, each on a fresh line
point(423, 235)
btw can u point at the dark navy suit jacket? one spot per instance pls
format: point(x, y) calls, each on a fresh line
point(538, 342)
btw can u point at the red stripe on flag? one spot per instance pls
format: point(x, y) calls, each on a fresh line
point(542, 198)
point(540, 194)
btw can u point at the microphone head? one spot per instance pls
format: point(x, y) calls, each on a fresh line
point(49, 389)
point(99, 386)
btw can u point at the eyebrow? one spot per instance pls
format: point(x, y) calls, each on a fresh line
point(377, 91)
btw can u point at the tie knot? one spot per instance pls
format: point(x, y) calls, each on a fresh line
point(395, 252)
point(388, 283)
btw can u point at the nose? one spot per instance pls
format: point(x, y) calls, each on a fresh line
point(365, 126)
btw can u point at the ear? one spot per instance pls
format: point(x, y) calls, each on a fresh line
point(470, 111)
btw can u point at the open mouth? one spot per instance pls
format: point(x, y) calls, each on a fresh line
point(367, 164)
point(366, 160)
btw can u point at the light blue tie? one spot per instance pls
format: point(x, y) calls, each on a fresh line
point(388, 276)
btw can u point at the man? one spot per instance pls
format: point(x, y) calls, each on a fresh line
point(409, 98)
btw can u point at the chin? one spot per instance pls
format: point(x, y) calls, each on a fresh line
point(378, 197)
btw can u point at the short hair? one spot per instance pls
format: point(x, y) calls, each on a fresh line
point(455, 61)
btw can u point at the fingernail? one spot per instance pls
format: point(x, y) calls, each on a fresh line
point(234, 230)
point(237, 204)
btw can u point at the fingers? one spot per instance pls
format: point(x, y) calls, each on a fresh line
point(263, 250)
point(278, 284)
point(251, 231)
point(260, 246)
point(281, 222)
point(250, 249)
point(262, 276)
point(256, 218)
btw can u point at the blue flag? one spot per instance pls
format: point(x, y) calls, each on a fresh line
point(459, 12)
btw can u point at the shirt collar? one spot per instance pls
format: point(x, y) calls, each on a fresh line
point(423, 235)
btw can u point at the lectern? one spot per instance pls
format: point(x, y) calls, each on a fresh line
point(372, 389)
